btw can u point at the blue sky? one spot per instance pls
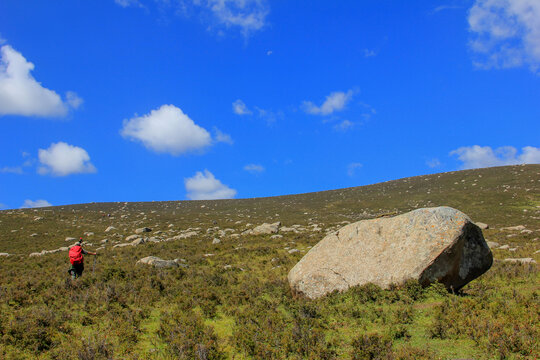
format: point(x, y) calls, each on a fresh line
point(125, 100)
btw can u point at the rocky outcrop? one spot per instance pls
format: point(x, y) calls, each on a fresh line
point(429, 245)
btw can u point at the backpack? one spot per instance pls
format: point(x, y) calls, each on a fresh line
point(75, 255)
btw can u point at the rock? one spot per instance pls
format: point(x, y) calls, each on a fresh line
point(526, 231)
point(34, 235)
point(122, 245)
point(4, 254)
point(158, 262)
point(277, 236)
point(104, 241)
point(429, 245)
point(482, 226)
point(216, 241)
point(292, 251)
point(492, 244)
point(132, 237)
point(288, 229)
point(110, 228)
point(64, 248)
point(88, 233)
point(503, 247)
point(138, 241)
point(266, 229)
point(520, 260)
point(70, 239)
point(142, 230)
point(514, 228)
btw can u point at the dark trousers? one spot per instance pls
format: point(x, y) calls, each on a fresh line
point(76, 270)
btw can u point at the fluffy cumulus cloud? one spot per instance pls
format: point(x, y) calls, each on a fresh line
point(336, 101)
point(62, 159)
point(506, 33)
point(35, 204)
point(254, 168)
point(484, 156)
point(239, 108)
point(167, 130)
point(204, 186)
point(21, 94)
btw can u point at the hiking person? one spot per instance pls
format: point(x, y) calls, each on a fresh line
point(76, 258)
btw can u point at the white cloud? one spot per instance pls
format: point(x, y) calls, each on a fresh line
point(3, 206)
point(167, 130)
point(35, 204)
point(433, 163)
point(336, 101)
point(247, 15)
point(239, 108)
point(73, 99)
point(484, 156)
point(12, 170)
point(62, 159)
point(344, 125)
point(127, 3)
point(506, 33)
point(369, 53)
point(351, 169)
point(269, 52)
point(21, 94)
point(207, 187)
point(222, 137)
point(254, 168)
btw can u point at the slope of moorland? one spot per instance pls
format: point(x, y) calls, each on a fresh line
point(231, 300)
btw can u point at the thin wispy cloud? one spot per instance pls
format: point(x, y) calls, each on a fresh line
point(254, 168)
point(505, 33)
point(35, 204)
point(220, 136)
point(21, 94)
point(344, 125)
point(247, 16)
point(484, 156)
point(334, 102)
point(433, 163)
point(352, 168)
point(240, 108)
point(205, 186)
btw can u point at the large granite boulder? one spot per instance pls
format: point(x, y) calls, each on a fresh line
point(432, 244)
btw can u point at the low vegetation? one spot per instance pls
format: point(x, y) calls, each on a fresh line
point(231, 300)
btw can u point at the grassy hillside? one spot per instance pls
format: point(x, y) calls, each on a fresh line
point(232, 300)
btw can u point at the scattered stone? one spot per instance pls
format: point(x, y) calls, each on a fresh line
point(429, 245)
point(70, 239)
point(4, 254)
point(292, 251)
point(88, 233)
point(482, 226)
point(104, 241)
point(110, 228)
point(492, 244)
point(34, 235)
point(122, 245)
point(142, 230)
point(503, 247)
point(526, 231)
point(132, 237)
point(266, 229)
point(138, 241)
point(514, 228)
point(227, 267)
point(520, 260)
point(216, 241)
point(277, 236)
point(208, 255)
point(158, 262)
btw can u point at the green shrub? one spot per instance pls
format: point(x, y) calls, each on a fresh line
point(187, 337)
point(371, 347)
